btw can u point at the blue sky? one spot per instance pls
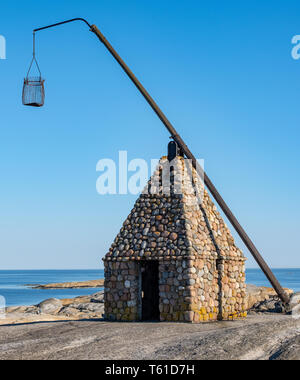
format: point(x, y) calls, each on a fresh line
point(221, 71)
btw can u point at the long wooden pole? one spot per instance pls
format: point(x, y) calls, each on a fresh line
point(233, 220)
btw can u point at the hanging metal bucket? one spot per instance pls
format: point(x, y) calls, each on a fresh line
point(33, 92)
point(33, 87)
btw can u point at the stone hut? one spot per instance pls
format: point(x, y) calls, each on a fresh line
point(174, 258)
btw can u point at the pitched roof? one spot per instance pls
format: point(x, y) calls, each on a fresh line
point(174, 217)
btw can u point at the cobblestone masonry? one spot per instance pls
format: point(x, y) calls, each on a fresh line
point(201, 271)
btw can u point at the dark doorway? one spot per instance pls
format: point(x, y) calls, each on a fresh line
point(150, 291)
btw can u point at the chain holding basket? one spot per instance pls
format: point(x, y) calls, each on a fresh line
point(33, 88)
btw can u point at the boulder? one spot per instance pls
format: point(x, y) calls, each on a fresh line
point(89, 307)
point(33, 310)
point(271, 305)
point(295, 305)
point(69, 312)
point(50, 306)
point(98, 297)
point(259, 295)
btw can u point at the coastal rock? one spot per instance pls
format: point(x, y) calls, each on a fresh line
point(82, 307)
point(80, 299)
point(50, 306)
point(22, 310)
point(72, 285)
point(295, 300)
point(256, 295)
point(98, 297)
point(294, 306)
point(273, 305)
point(69, 312)
point(32, 310)
point(89, 307)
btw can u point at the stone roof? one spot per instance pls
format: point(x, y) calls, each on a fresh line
point(174, 217)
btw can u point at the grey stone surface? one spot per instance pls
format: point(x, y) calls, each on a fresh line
point(268, 336)
point(289, 350)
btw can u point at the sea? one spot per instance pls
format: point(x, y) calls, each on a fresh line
point(15, 289)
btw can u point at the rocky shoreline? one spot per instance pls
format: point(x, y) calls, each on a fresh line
point(259, 300)
point(82, 307)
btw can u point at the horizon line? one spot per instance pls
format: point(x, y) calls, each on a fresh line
point(95, 269)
